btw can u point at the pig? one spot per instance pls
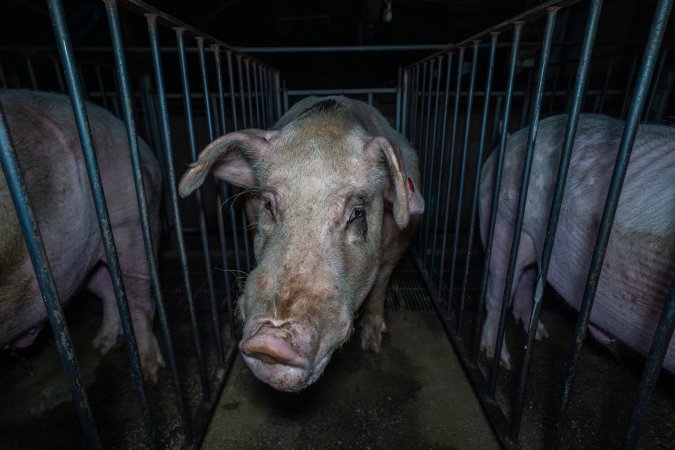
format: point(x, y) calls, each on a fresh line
point(47, 145)
point(640, 260)
point(338, 201)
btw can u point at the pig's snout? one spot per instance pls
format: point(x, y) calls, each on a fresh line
point(284, 355)
point(274, 346)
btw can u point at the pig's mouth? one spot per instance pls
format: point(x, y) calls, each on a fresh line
point(277, 357)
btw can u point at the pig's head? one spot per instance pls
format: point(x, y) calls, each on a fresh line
point(323, 186)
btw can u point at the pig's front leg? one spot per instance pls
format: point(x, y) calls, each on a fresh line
point(100, 285)
point(372, 316)
point(522, 303)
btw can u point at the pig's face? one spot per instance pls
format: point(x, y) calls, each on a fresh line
point(322, 188)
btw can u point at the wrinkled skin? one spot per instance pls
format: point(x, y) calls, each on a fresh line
point(48, 148)
point(640, 262)
point(337, 195)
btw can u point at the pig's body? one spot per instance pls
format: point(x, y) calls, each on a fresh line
point(47, 145)
point(640, 261)
point(338, 203)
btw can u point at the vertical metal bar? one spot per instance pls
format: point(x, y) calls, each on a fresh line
point(563, 167)
point(233, 102)
point(126, 95)
point(655, 85)
point(225, 188)
point(554, 90)
point(101, 87)
point(451, 162)
point(256, 94)
point(215, 319)
point(460, 185)
point(524, 186)
point(660, 343)
point(426, 147)
point(398, 99)
point(59, 75)
point(277, 88)
point(431, 200)
point(45, 280)
point(242, 100)
point(187, 105)
point(167, 149)
point(3, 80)
point(626, 98)
point(221, 194)
point(221, 94)
point(526, 99)
point(80, 114)
point(370, 98)
point(603, 93)
point(625, 147)
point(414, 106)
point(247, 67)
point(476, 184)
point(446, 98)
point(515, 46)
point(404, 102)
point(285, 89)
point(31, 73)
point(422, 121)
point(246, 247)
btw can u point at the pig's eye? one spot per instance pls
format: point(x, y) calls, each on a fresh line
point(269, 205)
point(357, 213)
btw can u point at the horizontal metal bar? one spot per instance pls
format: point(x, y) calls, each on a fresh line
point(342, 48)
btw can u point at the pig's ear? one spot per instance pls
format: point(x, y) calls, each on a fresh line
point(405, 198)
point(230, 157)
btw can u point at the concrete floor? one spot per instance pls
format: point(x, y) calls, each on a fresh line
point(413, 394)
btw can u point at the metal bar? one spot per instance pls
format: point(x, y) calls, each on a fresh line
point(3, 80)
point(460, 186)
point(556, 204)
point(425, 148)
point(601, 99)
point(626, 98)
point(127, 106)
point(655, 85)
point(476, 185)
point(285, 90)
point(446, 98)
point(187, 105)
point(246, 247)
point(221, 193)
point(423, 121)
point(448, 191)
point(31, 73)
point(660, 343)
point(99, 78)
point(167, 149)
point(225, 188)
point(342, 48)
point(625, 147)
point(221, 94)
point(515, 46)
point(43, 273)
point(80, 114)
point(244, 121)
point(430, 188)
point(256, 95)
point(398, 100)
point(404, 103)
point(247, 67)
point(277, 88)
point(215, 320)
point(524, 186)
point(59, 75)
point(414, 93)
point(233, 103)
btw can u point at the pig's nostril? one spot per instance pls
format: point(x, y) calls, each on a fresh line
point(272, 348)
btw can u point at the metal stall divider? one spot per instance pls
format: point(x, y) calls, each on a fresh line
point(449, 289)
point(154, 118)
